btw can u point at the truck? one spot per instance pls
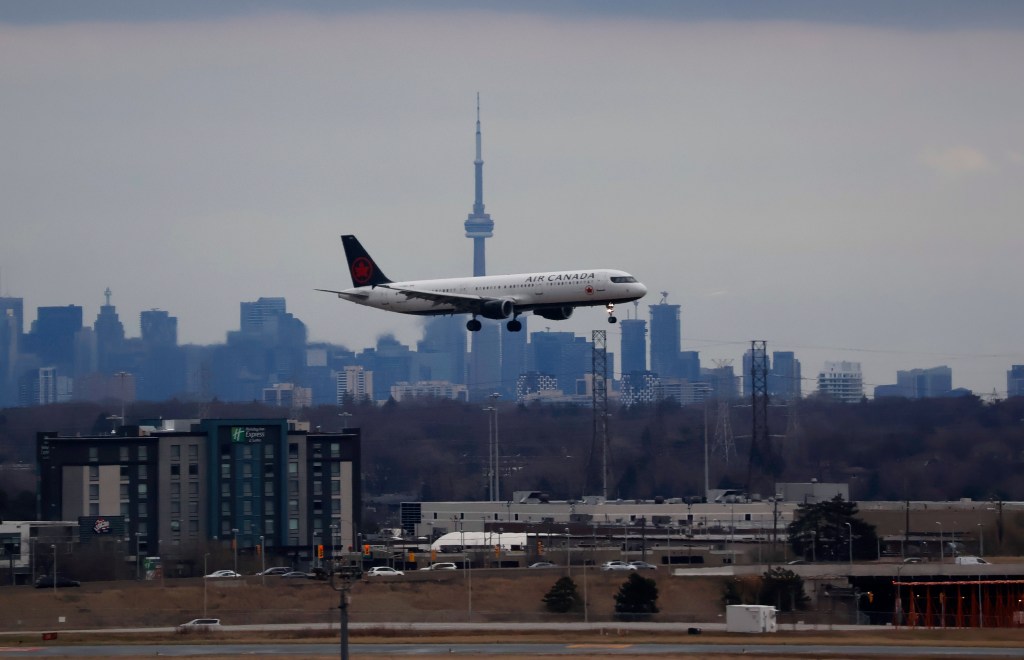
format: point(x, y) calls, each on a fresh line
point(967, 560)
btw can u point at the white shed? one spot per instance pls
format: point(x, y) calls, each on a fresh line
point(751, 619)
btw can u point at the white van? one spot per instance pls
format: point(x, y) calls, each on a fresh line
point(966, 560)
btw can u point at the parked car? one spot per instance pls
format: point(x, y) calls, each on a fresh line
point(642, 566)
point(224, 573)
point(616, 565)
point(200, 624)
point(442, 566)
point(295, 574)
point(543, 564)
point(46, 582)
point(277, 570)
point(796, 562)
point(383, 571)
point(912, 560)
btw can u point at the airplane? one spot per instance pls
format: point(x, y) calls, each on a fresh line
point(552, 295)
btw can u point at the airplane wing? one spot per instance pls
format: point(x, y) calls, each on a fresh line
point(460, 301)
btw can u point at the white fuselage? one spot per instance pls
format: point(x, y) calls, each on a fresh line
point(526, 291)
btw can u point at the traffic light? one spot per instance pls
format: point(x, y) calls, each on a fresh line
point(366, 549)
point(320, 551)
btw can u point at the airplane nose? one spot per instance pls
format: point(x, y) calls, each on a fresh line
point(643, 289)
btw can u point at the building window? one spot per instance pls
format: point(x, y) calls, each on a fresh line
point(193, 469)
point(293, 450)
point(124, 491)
point(175, 470)
point(225, 509)
point(94, 508)
point(225, 470)
point(143, 490)
point(268, 507)
point(175, 452)
point(268, 526)
point(293, 486)
point(268, 470)
point(335, 506)
point(193, 527)
point(175, 525)
point(318, 488)
point(246, 507)
point(94, 454)
point(225, 490)
point(193, 488)
point(247, 451)
point(293, 467)
point(175, 507)
point(246, 489)
point(335, 487)
point(143, 452)
point(143, 510)
point(335, 450)
point(293, 506)
point(293, 524)
point(268, 451)
point(142, 471)
point(193, 507)
point(247, 470)
point(124, 455)
point(335, 469)
point(94, 473)
point(124, 473)
point(268, 488)
point(175, 490)
point(193, 452)
point(94, 491)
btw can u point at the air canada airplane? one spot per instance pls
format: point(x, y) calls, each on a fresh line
point(552, 295)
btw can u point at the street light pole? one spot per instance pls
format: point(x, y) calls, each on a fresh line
point(138, 551)
point(981, 540)
point(849, 527)
point(942, 551)
point(54, 547)
point(568, 552)
point(497, 451)
point(234, 545)
point(205, 580)
point(263, 561)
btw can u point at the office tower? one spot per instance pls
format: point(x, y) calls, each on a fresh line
point(441, 354)
point(513, 358)
point(11, 326)
point(562, 355)
point(109, 335)
point(784, 378)
point(634, 346)
point(52, 338)
point(254, 315)
point(1015, 380)
point(925, 383)
point(841, 381)
point(158, 328)
point(665, 339)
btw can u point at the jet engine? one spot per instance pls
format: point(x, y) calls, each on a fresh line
point(555, 313)
point(497, 309)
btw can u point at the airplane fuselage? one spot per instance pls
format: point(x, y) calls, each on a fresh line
point(525, 291)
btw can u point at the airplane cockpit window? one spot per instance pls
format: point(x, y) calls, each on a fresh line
point(626, 279)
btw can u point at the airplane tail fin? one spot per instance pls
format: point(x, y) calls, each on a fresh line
point(361, 265)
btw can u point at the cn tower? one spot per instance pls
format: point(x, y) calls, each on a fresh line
point(479, 225)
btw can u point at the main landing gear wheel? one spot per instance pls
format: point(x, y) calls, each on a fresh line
point(611, 312)
point(515, 325)
point(473, 325)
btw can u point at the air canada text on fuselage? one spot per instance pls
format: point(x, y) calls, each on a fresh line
point(555, 277)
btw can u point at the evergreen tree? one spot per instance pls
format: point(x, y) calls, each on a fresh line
point(637, 595)
point(819, 531)
point(784, 589)
point(563, 596)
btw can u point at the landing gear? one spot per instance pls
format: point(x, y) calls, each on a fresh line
point(473, 325)
point(515, 325)
point(611, 312)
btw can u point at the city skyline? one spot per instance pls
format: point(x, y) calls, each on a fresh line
point(840, 182)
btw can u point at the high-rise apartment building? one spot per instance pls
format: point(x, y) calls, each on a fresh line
point(634, 346)
point(354, 384)
point(666, 332)
point(841, 381)
point(925, 383)
point(784, 380)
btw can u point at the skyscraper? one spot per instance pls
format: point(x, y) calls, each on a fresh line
point(634, 345)
point(665, 340)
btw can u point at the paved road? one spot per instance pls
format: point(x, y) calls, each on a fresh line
point(488, 650)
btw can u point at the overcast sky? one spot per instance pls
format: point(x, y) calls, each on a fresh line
point(844, 185)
